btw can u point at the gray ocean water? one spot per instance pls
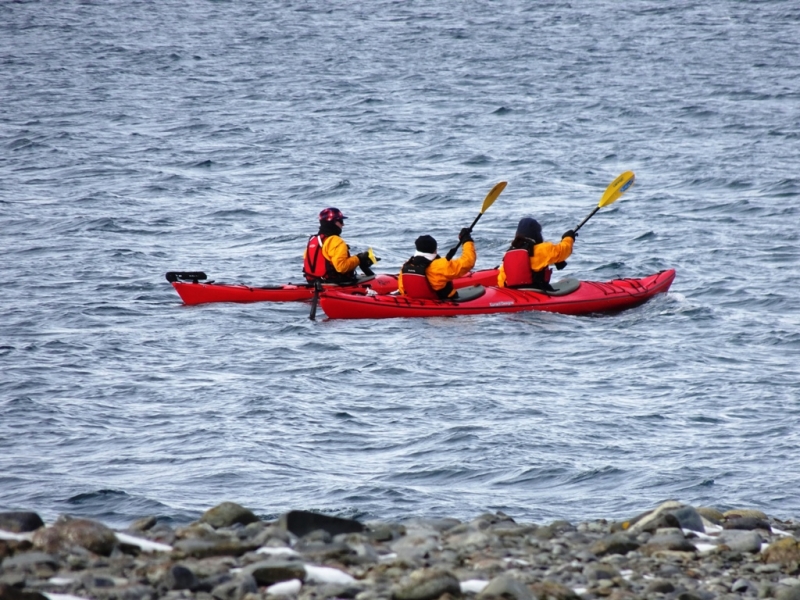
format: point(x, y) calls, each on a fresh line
point(139, 137)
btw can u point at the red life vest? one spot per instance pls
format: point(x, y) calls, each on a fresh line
point(314, 265)
point(517, 267)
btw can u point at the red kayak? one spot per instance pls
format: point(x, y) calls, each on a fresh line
point(571, 297)
point(192, 288)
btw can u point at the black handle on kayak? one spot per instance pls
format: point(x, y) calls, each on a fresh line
point(194, 276)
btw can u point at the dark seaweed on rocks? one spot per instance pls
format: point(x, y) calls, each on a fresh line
point(673, 551)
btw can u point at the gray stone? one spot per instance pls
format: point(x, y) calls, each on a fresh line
point(318, 536)
point(413, 547)
point(91, 535)
point(427, 584)
point(652, 520)
point(598, 571)
point(30, 559)
point(688, 518)
point(505, 586)
point(747, 523)
point(206, 584)
point(660, 586)
point(236, 589)
point(143, 524)
point(741, 541)
point(790, 593)
point(711, 514)
point(617, 543)
point(671, 540)
point(162, 533)
point(338, 590)
point(269, 572)
point(738, 513)
point(198, 548)
point(228, 514)
point(301, 522)
point(180, 577)
point(741, 586)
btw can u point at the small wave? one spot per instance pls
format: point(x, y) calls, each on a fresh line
point(596, 474)
point(477, 160)
point(119, 508)
point(24, 144)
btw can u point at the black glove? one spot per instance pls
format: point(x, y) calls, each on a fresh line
point(569, 233)
point(364, 260)
point(560, 265)
point(465, 235)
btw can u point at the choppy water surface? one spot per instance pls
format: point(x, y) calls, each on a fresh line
point(138, 138)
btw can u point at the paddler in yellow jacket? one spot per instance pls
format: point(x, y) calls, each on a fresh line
point(527, 263)
point(439, 272)
point(327, 256)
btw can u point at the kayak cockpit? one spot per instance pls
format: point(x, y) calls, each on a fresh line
point(560, 288)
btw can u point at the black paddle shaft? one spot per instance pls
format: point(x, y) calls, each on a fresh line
point(452, 252)
point(591, 214)
point(315, 300)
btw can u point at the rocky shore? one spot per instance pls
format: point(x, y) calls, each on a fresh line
point(674, 551)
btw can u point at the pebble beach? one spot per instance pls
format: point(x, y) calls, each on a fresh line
point(673, 551)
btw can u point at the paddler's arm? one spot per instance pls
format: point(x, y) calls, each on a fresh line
point(501, 276)
point(442, 270)
point(464, 263)
point(335, 250)
point(548, 253)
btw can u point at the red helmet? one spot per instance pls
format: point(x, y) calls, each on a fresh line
point(331, 214)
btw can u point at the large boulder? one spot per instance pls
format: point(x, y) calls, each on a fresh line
point(67, 532)
point(20, 522)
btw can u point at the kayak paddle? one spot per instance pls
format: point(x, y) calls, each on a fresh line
point(488, 201)
point(315, 300)
point(613, 193)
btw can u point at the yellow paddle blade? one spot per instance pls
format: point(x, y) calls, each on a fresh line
point(371, 255)
point(616, 188)
point(492, 195)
